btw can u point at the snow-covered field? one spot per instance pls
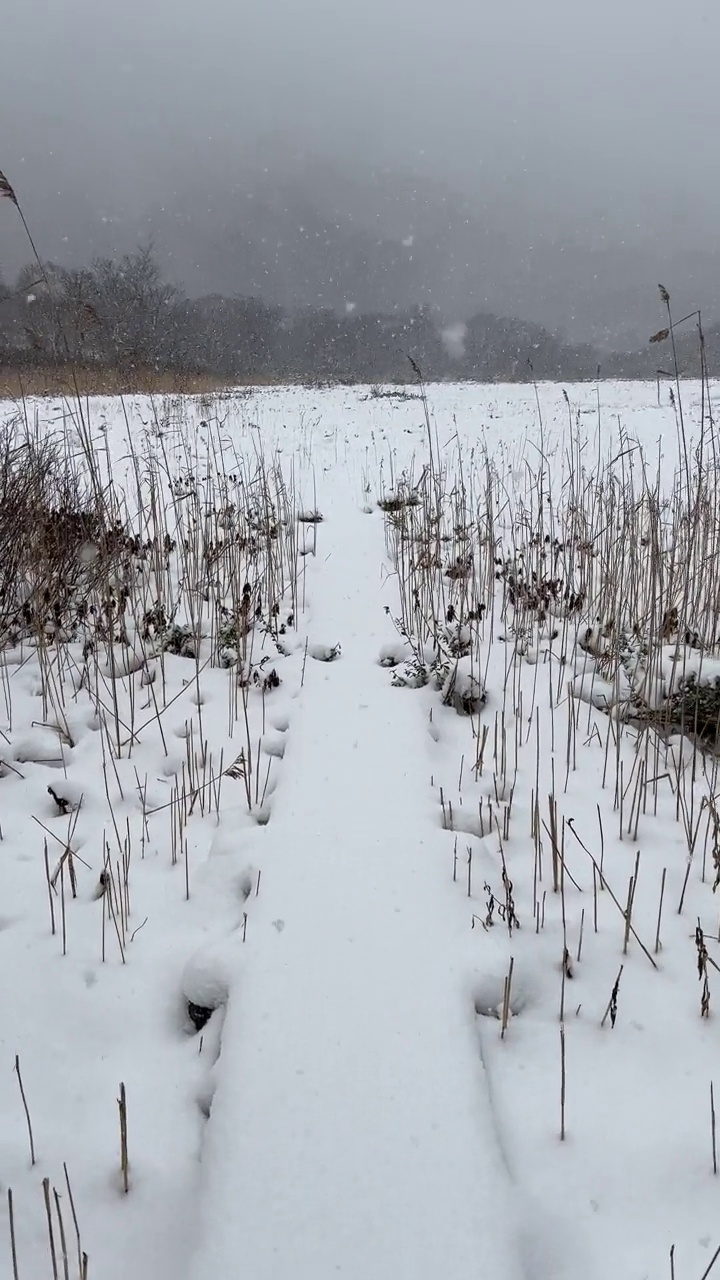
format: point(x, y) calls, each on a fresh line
point(359, 835)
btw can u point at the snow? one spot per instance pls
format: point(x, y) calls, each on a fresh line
point(453, 338)
point(354, 1131)
point(355, 886)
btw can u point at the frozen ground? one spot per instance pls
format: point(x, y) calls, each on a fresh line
point(401, 927)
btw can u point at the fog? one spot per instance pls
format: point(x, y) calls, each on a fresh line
point(541, 159)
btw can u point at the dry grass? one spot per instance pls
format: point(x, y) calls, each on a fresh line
point(122, 594)
point(16, 383)
point(534, 566)
point(201, 561)
point(68, 382)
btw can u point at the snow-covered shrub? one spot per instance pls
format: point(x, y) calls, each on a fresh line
point(695, 704)
point(325, 652)
point(463, 688)
point(456, 678)
point(260, 674)
point(180, 640)
point(64, 556)
point(395, 500)
point(537, 592)
point(460, 568)
point(457, 638)
point(415, 674)
point(394, 653)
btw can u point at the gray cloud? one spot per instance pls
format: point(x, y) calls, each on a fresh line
point(594, 124)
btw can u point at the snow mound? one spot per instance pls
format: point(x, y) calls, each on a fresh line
point(210, 973)
point(394, 653)
point(324, 652)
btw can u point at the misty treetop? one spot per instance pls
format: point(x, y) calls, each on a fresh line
point(120, 314)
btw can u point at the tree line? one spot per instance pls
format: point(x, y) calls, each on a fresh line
point(122, 315)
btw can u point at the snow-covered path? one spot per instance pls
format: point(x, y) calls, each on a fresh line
point(350, 1131)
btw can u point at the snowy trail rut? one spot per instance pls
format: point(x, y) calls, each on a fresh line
point(350, 1132)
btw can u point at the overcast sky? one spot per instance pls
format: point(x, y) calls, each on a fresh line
point(589, 115)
